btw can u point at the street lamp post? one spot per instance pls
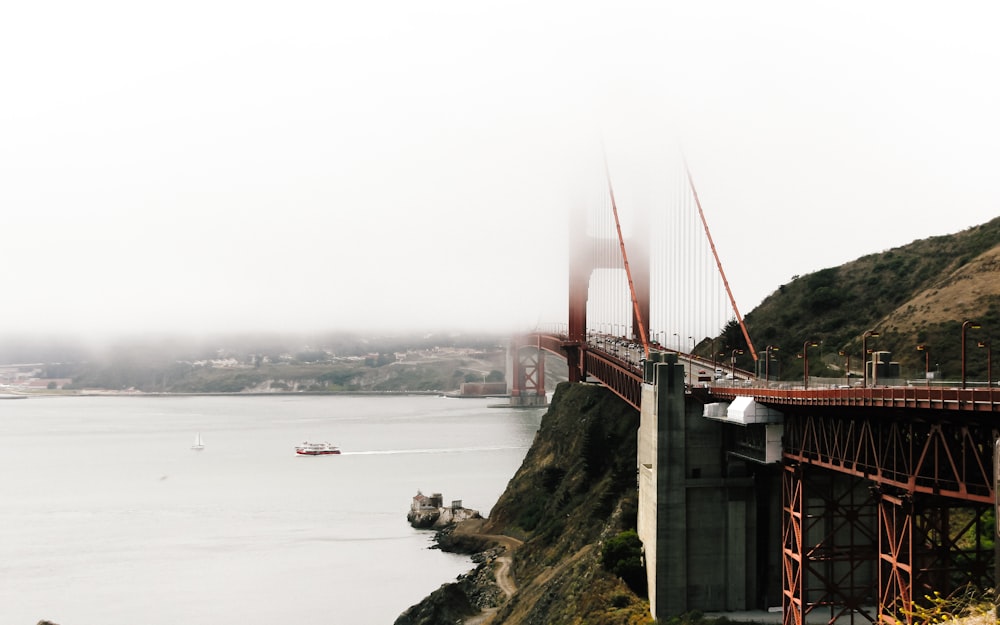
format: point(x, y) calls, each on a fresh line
point(691, 364)
point(966, 324)
point(805, 361)
point(926, 349)
point(844, 352)
point(767, 363)
point(732, 361)
point(864, 352)
point(989, 362)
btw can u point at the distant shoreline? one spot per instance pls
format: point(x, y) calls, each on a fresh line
point(100, 393)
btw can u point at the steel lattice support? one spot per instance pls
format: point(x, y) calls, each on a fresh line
point(622, 378)
point(792, 578)
point(829, 544)
point(533, 365)
point(928, 545)
point(911, 453)
point(528, 375)
point(895, 572)
point(616, 375)
point(931, 481)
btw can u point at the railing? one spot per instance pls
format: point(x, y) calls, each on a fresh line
point(912, 397)
point(619, 362)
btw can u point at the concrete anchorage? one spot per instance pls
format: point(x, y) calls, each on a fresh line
point(698, 515)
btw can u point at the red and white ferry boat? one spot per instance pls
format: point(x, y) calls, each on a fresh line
point(316, 449)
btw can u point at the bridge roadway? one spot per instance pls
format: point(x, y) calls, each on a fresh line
point(857, 431)
point(907, 397)
point(617, 363)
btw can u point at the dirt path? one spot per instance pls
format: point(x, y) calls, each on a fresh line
point(502, 576)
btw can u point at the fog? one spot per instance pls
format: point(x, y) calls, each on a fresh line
point(302, 166)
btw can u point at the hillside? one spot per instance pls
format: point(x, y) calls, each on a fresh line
point(918, 293)
point(570, 502)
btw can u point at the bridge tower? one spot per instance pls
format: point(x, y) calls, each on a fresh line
point(585, 257)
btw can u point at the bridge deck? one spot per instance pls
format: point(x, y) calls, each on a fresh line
point(911, 397)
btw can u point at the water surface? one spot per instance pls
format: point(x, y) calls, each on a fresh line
point(108, 517)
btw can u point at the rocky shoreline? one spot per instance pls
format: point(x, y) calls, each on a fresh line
point(472, 593)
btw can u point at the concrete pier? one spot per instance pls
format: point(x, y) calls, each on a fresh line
point(697, 523)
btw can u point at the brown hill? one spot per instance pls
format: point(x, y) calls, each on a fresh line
point(960, 294)
point(918, 293)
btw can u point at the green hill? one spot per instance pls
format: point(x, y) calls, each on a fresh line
point(918, 293)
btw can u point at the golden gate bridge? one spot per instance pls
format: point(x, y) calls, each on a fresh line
point(863, 499)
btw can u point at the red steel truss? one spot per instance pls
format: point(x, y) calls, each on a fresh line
point(585, 362)
point(913, 452)
point(828, 544)
point(792, 581)
point(928, 546)
point(930, 478)
point(528, 368)
point(618, 376)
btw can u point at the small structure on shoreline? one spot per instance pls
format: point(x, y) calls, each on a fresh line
point(431, 513)
point(481, 389)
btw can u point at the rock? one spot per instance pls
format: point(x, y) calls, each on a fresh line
point(447, 604)
point(424, 519)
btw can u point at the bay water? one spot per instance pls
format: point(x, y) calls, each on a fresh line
point(109, 517)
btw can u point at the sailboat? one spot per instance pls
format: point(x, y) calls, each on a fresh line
point(198, 443)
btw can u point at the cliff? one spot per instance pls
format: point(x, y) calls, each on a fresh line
point(552, 549)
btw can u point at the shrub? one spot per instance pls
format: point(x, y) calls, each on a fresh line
point(622, 556)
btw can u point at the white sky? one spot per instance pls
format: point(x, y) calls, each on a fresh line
point(221, 165)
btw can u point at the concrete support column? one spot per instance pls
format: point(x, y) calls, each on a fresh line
point(696, 524)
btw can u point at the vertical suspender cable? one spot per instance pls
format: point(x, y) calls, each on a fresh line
point(708, 233)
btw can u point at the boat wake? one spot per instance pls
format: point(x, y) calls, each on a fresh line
point(437, 450)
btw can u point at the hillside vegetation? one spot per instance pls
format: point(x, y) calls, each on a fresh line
point(319, 364)
point(919, 293)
